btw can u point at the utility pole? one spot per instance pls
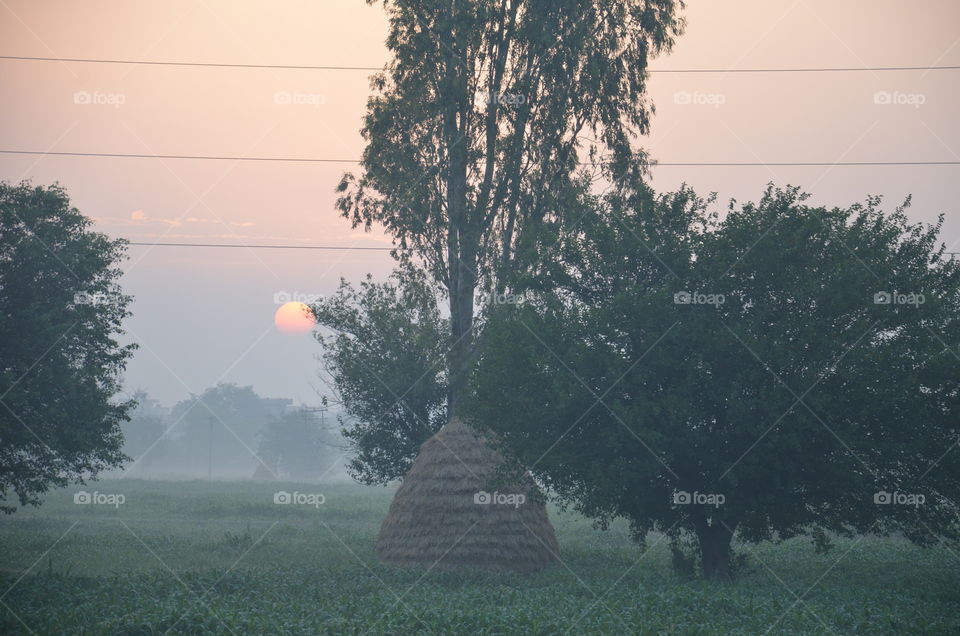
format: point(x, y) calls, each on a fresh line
point(210, 452)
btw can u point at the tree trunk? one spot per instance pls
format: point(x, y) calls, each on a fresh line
point(459, 356)
point(715, 561)
point(463, 241)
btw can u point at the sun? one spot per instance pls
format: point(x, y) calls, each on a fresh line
point(294, 317)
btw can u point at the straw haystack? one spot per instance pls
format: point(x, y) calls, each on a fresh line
point(448, 513)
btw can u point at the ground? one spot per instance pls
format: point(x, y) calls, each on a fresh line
point(219, 558)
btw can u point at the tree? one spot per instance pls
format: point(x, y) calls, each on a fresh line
point(144, 432)
point(385, 362)
point(219, 430)
point(301, 447)
point(477, 126)
point(60, 364)
point(789, 370)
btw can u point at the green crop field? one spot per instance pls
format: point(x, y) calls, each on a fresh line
point(220, 558)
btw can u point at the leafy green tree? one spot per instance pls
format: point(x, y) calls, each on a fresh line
point(477, 126)
point(384, 359)
point(60, 363)
point(787, 370)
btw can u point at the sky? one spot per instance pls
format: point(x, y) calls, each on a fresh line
point(205, 315)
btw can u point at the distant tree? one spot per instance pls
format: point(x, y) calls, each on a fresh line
point(477, 127)
point(233, 417)
point(300, 446)
point(143, 434)
point(385, 360)
point(60, 311)
point(789, 370)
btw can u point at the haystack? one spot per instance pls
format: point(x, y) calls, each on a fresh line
point(449, 512)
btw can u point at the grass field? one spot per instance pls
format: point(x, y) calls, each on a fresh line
point(216, 558)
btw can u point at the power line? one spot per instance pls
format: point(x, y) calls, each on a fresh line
point(306, 67)
point(321, 160)
point(952, 255)
point(278, 247)
point(203, 157)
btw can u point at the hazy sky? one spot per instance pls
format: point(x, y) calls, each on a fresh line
point(206, 315)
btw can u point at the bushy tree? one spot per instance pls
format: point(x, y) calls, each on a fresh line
point(785, 370)
point(385, 359)
point(61, 310)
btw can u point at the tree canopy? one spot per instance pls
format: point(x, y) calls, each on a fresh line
point(478, 124)
point(60, 363)
point(785, 370)
point(384, 357)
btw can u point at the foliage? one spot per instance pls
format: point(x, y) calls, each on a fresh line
point(476, 128)
point(771, 365)
point(385, 362)
point(228, 417)
point(143, 433)
point(60, 363)
point(296, 445)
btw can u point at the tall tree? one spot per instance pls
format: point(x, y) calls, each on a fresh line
point(788, 371)
point(478, 124)
point(60, 363)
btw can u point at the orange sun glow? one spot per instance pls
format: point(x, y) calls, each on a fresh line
point(293, 317)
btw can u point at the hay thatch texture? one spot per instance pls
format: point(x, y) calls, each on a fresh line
point(436, 520)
